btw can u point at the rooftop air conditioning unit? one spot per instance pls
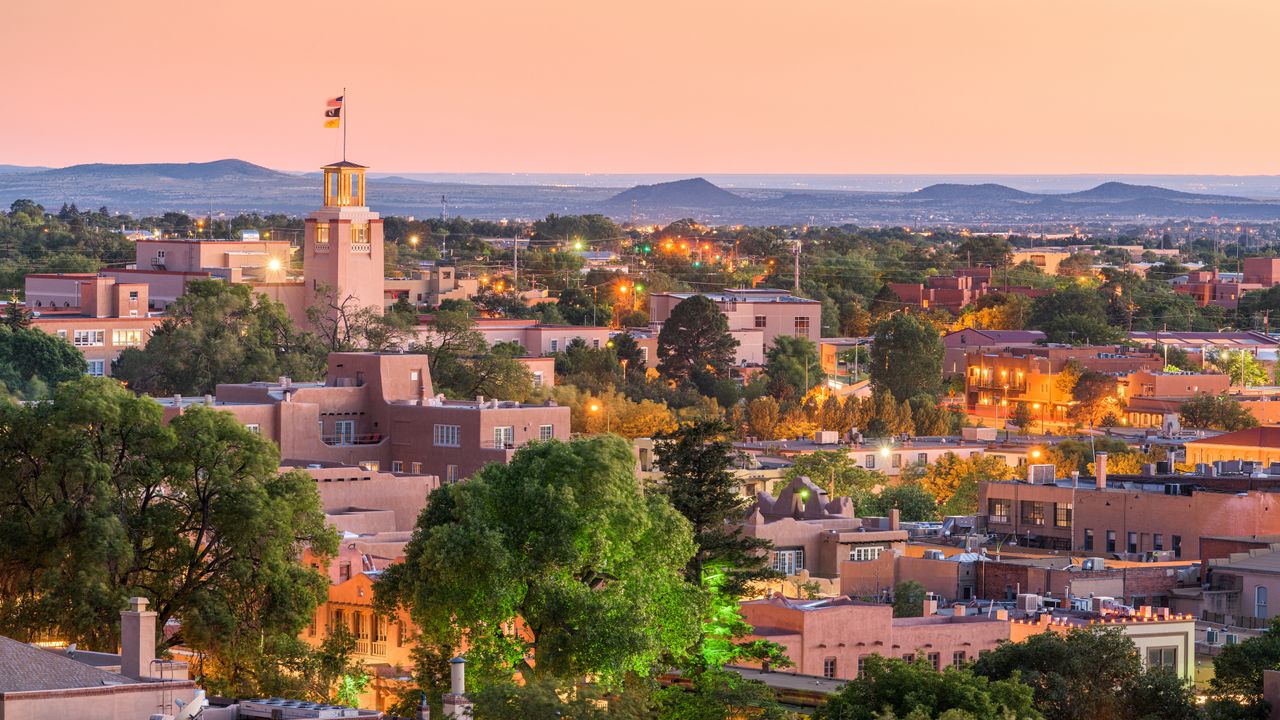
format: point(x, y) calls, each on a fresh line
point(1040, 474)
point(1093, 563)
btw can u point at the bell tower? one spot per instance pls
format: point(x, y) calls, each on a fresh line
point(342, 245)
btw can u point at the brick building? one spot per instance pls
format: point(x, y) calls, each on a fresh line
point(100, 316)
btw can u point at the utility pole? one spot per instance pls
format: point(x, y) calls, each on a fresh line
point(797, 267)
point(515, 263)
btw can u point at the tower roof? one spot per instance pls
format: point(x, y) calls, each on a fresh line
point(344, 164)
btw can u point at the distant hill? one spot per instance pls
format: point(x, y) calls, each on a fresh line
point(1119, 191)
point(215, 170)
point(955, 192)
point(690, 193)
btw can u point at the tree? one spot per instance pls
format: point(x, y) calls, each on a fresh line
point(1095, 397)
point(32, 362)
point(628, 351)
point(463, 365)
point(16, 315)
point(695, 341)
point(953, 480)
point(908, 599)
point(906, 357)
point(913, 503)
point(344, 323)
point(1075, 315)
point(986, 250)
point(696, 461)
point(554, 555)
point(218, 332)
point(763, 415)
point(719, 695)
point(101, 500)
point(1240, 367)
point(892, 688)
point(1218, 412)
point(1087, 673)
point(793, 367)
point(836, 472)
point(1236, 688)
point(1021, 416)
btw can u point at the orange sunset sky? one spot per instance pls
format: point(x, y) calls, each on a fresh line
point(692, 86)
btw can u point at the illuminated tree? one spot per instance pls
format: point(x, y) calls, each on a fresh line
point(1242, 368)
point(695, 341)
point(953, 480)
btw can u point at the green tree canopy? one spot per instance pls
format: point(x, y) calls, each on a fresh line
point(32, 362)
point(906, 357)
point(218, 332)
point(793, 366)
point(894, 688)
point(563, 539)
point(1218, 412)
point(695, 341)
point(1075, 314)
point(100, 500)
point(837, 472)
point(1235, 692)
point(1091, 673)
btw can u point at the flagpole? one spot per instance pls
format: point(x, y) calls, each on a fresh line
point(344, 111)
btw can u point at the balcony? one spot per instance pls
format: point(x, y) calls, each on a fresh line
point(1010, 385)
point(378, 648)
point(362, 646)
point(346, 440)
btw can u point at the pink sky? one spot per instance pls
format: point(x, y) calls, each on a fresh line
point(687, 86)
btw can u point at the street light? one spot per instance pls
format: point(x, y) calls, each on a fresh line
point(608, 416)
point(413, 240)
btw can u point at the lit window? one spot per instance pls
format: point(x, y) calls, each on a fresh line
point(789, 561)
point(866, 553)
point(89, 338)
point(127, 338)
point(397, 466)
point(1062, 515)
point(802, 326)
point(451, 474)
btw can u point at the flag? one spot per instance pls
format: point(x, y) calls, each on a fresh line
point(333, 112)
point(334, 123)
point(335, 102)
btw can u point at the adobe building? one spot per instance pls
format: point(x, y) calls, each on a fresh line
point(38, 683)
point(342, 261)
point(429, 286)
point(833, 637)
point(378, 412)
point(1156, 515)
point(814, 534)
point(887, 455)
point(773, 312)
point(1259, 444)
point(995, 381)
point(1243, 589)
point(98, 315)
point(957, 344)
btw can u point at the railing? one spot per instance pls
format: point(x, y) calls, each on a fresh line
point(362, 646)
point(344, 440)
point(359, 247)
point(1013, 386)
point(378, 647)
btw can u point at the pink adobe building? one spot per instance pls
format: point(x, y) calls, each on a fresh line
point(773, 312)
point(378, 411)
point(538, 339)
point(833, 637)
point(100, 316)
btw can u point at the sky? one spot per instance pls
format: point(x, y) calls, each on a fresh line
point(663, 86)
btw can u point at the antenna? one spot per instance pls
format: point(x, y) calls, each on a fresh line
point(444, 208)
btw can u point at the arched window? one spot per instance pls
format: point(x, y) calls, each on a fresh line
point(1260, 602)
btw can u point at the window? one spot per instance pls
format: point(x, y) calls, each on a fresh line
point(595, 344)
point(865, 553)
point(935, 659)
point(957, 658)
point(415, 467)
point(311, 629)
point(789, 561)
point(451, 474)
point(802, 326)
point(555, 346)
point(537, 379)
point(345, 430)
point(1177, 546)
point(359, 233)
point(908, 657)
point(335, 186)
point(870, 464)
point(1260, 602)
point(254, 428)
point(1157, 542)
point(1032, 512)
point(922, 458)
point(1088, 538)
point(344, 572)
point(1133, 542)
point(133, 295)
point(414, 375)
point(127, 338)
point(1111, 541)
point(862, 666)
point(322, 233)
point(828, 667)
point(96, 368)
point(339, 620)
point(89, 338)
point(447, 435)
point(546, 432)
point(160, 254)
point(1162, 658)
point(762, 321)
point(897, 460)
point(1062, 515)
point(397, 466)
point(998, 510)
point(504, 436)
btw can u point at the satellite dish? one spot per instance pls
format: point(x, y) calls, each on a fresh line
point(192, 709)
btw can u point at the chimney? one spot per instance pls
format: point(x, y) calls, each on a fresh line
point(456, 703)
point(1100, 469)
point(137, 639)
point(930, 604)
point(1075, 478)
point(895, 519)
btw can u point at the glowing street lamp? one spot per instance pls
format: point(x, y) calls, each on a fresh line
point(413, 240)
point(608, 416)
